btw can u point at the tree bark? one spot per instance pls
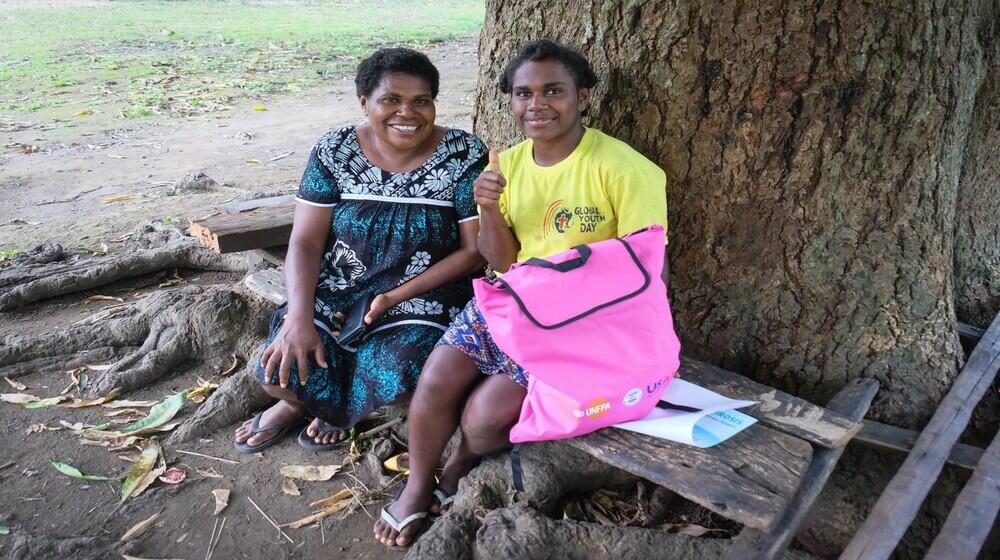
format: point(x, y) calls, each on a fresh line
point(813, 155)
point(977, 226)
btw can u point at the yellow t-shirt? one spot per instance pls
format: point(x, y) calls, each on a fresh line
point(604, 189)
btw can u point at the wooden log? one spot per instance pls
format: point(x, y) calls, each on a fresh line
point(852, 401)
point(749, 478)
point(264, 227)
point(248, 205)
point(898, 505)
point(884, 436)
point(974, 512)
point(268, 284)
point(777, 409)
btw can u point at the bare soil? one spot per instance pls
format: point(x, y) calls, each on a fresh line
point(53, 177)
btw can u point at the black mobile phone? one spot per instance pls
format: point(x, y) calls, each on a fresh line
point(354, 326)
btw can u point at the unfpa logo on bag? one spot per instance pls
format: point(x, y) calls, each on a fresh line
point(596, 409)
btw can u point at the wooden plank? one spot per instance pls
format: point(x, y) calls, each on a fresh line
point(268, 284)
point(972, 517)
point(898, 505)
point(248, 205)
point(970, 333)
point(852, 401)
point(884, 436)
point(264, 227)
point(777, 409)
point(749, 478)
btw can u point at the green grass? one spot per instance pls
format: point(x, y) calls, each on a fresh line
point(161, 55)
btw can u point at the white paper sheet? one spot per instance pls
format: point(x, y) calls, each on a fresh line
point(714, 421)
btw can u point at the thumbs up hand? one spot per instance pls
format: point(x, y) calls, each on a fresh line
point(489, 186)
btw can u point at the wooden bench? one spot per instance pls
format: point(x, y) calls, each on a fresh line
point(974, 512)
point(766, 478)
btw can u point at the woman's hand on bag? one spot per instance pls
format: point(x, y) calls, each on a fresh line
point(489, 185)
point(297, 342)
point(380, 304)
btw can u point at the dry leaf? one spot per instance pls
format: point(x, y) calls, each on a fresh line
point(259, 108)
point(130, 404)
point(45, 403)
point(35, 428)
point(17, 386)
point(119, 198)
point(334, 507)
point(694, 530)
point(330, 500)
point(207, 473)
point(100, 297)
point(253, 160)
point(98, 367)
point(120, 411)
point(221, 500)
point(311, 473)
point(147, 480)
point(173, 475)
point(17, 398)
point(232, 368)
point(85, 112)
point(139, 471)
point(139, 528)
point(77, 403)
point(289, 487)
point(199, 393)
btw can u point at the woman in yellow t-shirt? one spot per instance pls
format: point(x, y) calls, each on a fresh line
point(564, 185)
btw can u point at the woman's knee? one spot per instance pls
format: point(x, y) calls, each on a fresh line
point(447, 373)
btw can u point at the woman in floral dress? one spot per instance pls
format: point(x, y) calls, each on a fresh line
point(384, 209)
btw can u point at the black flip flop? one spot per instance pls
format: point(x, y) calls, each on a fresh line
point(256, 428)
point(309, 443)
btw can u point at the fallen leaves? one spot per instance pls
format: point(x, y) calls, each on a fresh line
point(289, 487)
point(78, 403)
point(4, 531)
point(130, 404)
point(17, 398)
point(100, 297)
point(200, 393)
point(158, 416)
point(140, 475)
point(71, 471)
point(327, 507)
point(139, 528)
point(45, 403)
point(221, 500)
point(17, 386)
point(312, 473)
point(174, 475)
point(118, 198)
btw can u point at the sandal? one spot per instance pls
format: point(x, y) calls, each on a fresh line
point(444, 499)
point(256, 428)
point(307, 441)
point(398, 526)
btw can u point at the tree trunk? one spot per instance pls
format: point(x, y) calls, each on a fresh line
point(813, 155)
point(977, 227)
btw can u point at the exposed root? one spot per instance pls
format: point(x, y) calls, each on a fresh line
point(552, 471)
point(46, 273)
point(233, 401)
point(524, 533)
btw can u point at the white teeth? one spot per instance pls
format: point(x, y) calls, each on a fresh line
point(404, 128)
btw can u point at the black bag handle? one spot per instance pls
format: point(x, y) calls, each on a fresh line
point(565, 266)
point(520, 303)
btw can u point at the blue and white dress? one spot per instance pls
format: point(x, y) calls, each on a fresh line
point(386, 228)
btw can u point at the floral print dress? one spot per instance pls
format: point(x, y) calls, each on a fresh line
point(386, 228)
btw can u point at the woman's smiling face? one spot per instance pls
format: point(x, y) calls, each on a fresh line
point(545, 100)
point(401, 110)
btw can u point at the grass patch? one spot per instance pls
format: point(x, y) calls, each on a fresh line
point(162, 55)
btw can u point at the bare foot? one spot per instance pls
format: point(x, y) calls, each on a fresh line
point(281, 412)
point(324, 433)
point(411, 501)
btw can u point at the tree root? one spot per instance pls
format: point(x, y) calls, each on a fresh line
point(524, 533)
point(233, 401)
point(42, 274)
point(172, 327)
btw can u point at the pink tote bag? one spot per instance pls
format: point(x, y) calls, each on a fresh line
point(592, 327)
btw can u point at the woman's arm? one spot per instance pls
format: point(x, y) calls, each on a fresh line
point(496, 240)
point(298, 340)
point(459, 264)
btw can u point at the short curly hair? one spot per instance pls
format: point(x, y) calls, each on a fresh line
point(544, 49)
point(386, 61)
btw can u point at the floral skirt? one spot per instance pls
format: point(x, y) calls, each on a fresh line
point(469, 333)
point(387, 364)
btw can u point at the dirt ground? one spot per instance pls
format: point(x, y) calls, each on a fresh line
point(53, 178)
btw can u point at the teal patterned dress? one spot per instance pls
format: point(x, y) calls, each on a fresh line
point(386, 228)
